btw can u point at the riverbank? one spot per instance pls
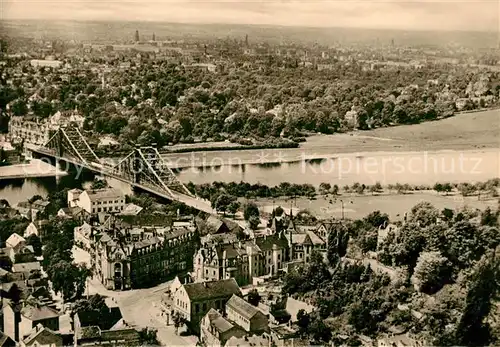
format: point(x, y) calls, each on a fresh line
point(358, 206)
point(476, 131)
point(35, 168)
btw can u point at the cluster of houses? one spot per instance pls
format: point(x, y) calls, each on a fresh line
point(218, 312)
point(30, 317)
point(214, 256)
point(261, 257)
point(22, 257)
point(127, 256)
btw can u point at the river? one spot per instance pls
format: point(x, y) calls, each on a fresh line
point(418, 168)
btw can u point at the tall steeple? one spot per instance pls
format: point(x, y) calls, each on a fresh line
point(136, 37)
point(154, 37)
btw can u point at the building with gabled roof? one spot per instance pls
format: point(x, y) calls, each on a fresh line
point(26, 268)
point(31, 229)
point(42, 336)
point(99, 200)
point(6, 341)
point(246, 315)
point(193, 300)
point(85, 321)
point(20, 319)
point(215, 330)
point(15, 241)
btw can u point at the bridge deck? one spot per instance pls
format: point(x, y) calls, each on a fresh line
point(199, 204)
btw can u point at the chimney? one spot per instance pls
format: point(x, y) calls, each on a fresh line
point(239, 244)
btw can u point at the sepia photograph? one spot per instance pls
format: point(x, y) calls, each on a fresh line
point(249, 173)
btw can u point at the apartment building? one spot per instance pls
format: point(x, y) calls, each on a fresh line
point(96, 201)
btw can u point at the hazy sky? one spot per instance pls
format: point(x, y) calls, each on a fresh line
point(395, 14)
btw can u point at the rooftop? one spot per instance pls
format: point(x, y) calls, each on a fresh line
point(212, 289)
point(6, 340)
point(43, 336)
point(14, 240)
point(243, 307)
point(218, 322)
point(26, 267)
point(104, 322)
point(37, 313)
point(105, 194)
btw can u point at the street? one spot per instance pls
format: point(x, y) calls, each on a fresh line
point(141, 308)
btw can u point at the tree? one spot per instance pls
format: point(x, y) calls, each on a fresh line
point(254, 297)
point(99, 184)
point(466, 189)
point(223, 202)
point(250, 209)
point(424, 214)
point(148, 337)
point(35, 198)
point(233, 207)
point(178, 321)
point(462, 244)
point(34, 240)
point(360, 189)
point(324, 188)
point(338, 239)
point(254, 222)
point(335, 189)
point(438, 187)
point(377, 219)
point(319, 332)
point(473, 328)
point(95, 303)
point(447, 214)
point(19, 108)
point(68, 279)
point(303, 320)
point(447, 188)
point(431, 273)
point(489, 218)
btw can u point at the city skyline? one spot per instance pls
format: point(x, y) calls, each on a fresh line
point(478, 15)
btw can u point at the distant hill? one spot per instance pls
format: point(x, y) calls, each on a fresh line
point(112, 31)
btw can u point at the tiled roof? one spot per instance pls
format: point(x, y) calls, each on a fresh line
point(39, 313)
point(6, 340)
point(232, 250)
point(176, 232)
point(147, 242)
point(14, 240)
point(26, 267)
point(248, 341)
point(216, 239)
point(128, 337)
point(104, 321)
point(219, 322)
point(266, 243)
point(105, 194)
point(243, 307)
point(214, 223)
point(300, 239)
point(44, 336)
point(212, 289)
point(315, 239)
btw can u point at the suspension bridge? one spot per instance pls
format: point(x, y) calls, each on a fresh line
point(143, 168)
